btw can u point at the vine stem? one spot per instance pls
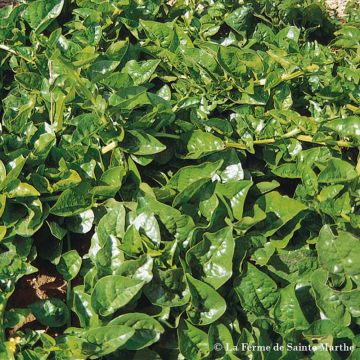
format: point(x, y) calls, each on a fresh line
point(109, 147)
point(303, 138)
point(68, 285)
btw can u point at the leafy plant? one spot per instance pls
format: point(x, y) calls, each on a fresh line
point(189, 169)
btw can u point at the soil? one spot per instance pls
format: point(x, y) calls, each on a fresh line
point(6, 2)
point(42, 285)
point(46, 283)
point(338, 6)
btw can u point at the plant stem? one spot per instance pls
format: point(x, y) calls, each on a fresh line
point(2, 312)
point(68, 285)
point(304, 138)
point(109, 147)
point(307, 138)
point(170, 136)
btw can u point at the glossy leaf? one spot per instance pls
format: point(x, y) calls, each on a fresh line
point(113, 292)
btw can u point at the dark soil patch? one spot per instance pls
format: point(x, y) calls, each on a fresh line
point(6, 2)
point(42, 285)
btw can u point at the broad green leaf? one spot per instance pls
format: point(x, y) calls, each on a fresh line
point(56, 230)
point(239, 18)
point(67, 182)
point(147, 224)
point(187, 175)
point(200, 143)
point(338, 254)
point(211, 258)
point(140, 143)
point(336, 171)
point(14, 169)
point(140, 72)
point(23, 190)
point(178, 225)
point(51, 312)
point(113, 292)
point(256, 290)
point(168, 288)
point(230, 59)
point(235, 192)
point(193, 342)
point(328, 300)
point(39, 13)
point(73, 201)
point(101, 68)
point(101, 341)
point(81, 223)
point(69, 265)
point(139, 269)
point(220, 334)
point(147, 329)
point(112, 223)
point(86, 126)
point(161, 33)
point(81, 305)
point(206, 304)
point(288, 313)
point(279, 210)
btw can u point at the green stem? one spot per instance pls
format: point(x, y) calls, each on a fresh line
point(303, 138)
point(2, 313)
point(109, 147)
point(68, 285)
point(235, 145)
point(170, 136)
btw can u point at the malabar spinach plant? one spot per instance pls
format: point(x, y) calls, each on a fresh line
point(189, 169)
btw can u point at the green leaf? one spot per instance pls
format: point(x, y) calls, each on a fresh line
point(140, 72)
point(200, 143)
point(39, 14)
point(168, 288)
point(147, 329)
point(140, 268)
point(190, 174)
point(81, 305)
point(235, 192)
point(86, 126)
point(23, 190)
point(114, 292)
point(338, 254)
point(73, 201)
point(69, 265)
point(101, 341)
point(140, 143)
point(193, 342)
point(288, 313)
point(101, 68)
point(256, 290)
point(51, 312)
point(220, 334)
point(211, 258)
point(328, 300)
point(279, 210)
point(336, 171)
point(147, 224)
point(81, 223)
point(229, 59)
point(206, 304)
point(161, 33)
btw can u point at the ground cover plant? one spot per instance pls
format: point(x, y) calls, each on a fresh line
point(179, 180)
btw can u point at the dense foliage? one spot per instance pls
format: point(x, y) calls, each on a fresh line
point(205, 154)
